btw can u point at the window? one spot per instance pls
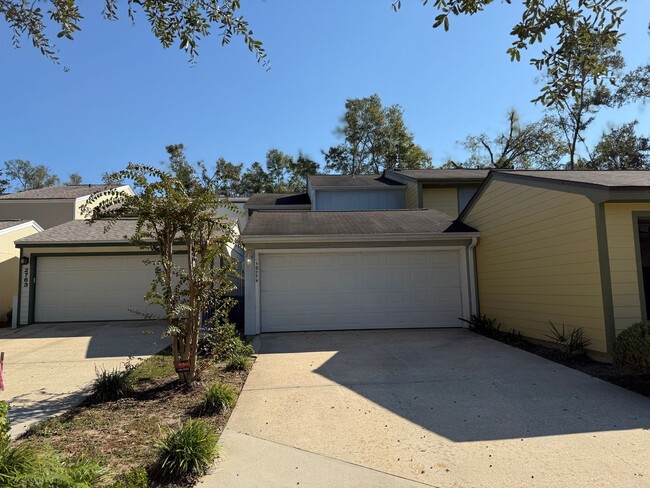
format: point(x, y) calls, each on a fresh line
point(464, 196)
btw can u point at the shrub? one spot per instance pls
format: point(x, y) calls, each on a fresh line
point(219, 398)
point(483, 325)
point(632, 348)
point(223, 342)
point(136, 478)
point(111, 385)
point(239, 363)
point(186, 452)
point(16, 462)
point(5, 427)
point(571, 343)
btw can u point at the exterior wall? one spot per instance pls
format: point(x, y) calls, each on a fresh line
point(359, 200)
point(412, 200)
point(538, 260)
point(443, 199)
point(9, 267)
point(46, 213)
point(623, 264)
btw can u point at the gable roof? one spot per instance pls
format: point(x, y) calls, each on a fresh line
point(607, 179)
point(362, 182)
point(598, 186)
point(12, 225)
point(276, 199)
point(440, 175)
point(83, 233)
point(352, 224)
point(64, 192)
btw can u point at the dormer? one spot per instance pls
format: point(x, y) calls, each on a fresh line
point(358, 192)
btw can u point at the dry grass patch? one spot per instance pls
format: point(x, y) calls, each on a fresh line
point(122, 434)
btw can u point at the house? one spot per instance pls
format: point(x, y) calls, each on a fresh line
point(11, 230)
point(571, 247)
point(522, 247)
point(52, 205)
point(447, 190)
point(78, 272)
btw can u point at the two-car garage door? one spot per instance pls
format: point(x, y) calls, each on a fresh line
point(360, 290)
point(89, 288)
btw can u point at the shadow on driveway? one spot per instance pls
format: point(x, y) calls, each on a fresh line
point(465, 387)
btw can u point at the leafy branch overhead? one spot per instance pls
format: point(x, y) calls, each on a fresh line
point(173, 22)
point(574, 25)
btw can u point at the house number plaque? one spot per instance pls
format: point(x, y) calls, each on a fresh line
point(25, 276)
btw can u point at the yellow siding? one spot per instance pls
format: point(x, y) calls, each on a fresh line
point(443, 199)
point(412, 195)
point(9, 267)
point(538, 261)
point(623, 266)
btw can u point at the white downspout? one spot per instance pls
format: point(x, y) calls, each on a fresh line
point(472, 277)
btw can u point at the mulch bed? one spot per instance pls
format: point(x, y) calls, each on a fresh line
point(123, 434)
point(636, 382)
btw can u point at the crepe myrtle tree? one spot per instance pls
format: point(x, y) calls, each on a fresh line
point(174, 218)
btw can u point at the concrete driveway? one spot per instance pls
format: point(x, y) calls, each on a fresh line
point(443, 408)
point(49, 366)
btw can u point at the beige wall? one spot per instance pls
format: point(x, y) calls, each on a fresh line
point(9, 267)
point(538, 260)
point(623, 265)
point(443, 199)
point(45, 213)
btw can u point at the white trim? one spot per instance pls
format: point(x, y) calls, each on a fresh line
point(23, 225)
point(255, 239)
point(465, 286)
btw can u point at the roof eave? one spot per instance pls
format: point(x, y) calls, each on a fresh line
point(301, 238)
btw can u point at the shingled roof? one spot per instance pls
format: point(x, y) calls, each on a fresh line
point(607, 179)
point(356, 181)
point(370, 222)
point(277, 199)
point(441, 175)
point(82, 232)
point(64, 192)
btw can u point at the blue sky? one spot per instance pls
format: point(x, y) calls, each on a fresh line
point(125, 97)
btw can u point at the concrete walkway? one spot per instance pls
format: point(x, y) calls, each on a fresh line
point(443, 408)
point(49, 366)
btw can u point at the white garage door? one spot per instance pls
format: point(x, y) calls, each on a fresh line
point(84, 288)
point(360, 290)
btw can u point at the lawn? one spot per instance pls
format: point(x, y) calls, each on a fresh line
point(122, 434)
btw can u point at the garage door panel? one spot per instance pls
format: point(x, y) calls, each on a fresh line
point(86, 288)
point(357, 290)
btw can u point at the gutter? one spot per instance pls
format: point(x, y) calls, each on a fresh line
point(359, 237)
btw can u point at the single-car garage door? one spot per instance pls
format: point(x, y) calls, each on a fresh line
point(86, 288)
point(360, 290)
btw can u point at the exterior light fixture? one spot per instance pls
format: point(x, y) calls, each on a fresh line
point(24, 260)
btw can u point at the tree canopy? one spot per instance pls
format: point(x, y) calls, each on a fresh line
point(173, 22)
point(23, 175)
point(375, 139)
point(621, 148)
point(177, 218)
point(520, 146)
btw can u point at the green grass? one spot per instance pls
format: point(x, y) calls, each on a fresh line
point(218, 398)
point(156, 367)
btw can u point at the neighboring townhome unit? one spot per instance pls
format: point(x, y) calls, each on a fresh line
point(570, 247)
point(10, 231)
point(52, 205)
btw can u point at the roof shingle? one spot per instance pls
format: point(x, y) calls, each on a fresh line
point(82, 232)
point(268, 199)
point(371, 222)
point(64, 192)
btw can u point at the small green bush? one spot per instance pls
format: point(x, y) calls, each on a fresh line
point(111, 385)
point(572, 343)
point(224, 343)
point(218, 399)
point(136, 478)
point(483, 325)
point(239, 363)
point(186, 452)
point(16, 462)
point(632, 348)
point(5, 427)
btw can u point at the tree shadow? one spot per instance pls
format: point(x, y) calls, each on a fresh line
point(466, 387)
